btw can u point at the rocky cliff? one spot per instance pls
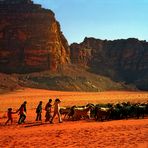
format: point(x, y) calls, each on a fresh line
point(30, 38)
point(33, 46)
point(122, 60)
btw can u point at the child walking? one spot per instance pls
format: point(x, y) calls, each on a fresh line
point(56, 111)
point(9, 114)
point(39, 112)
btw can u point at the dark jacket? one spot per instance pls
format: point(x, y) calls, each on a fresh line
point(39, 108)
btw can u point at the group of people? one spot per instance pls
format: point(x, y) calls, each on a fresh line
point(48, 116)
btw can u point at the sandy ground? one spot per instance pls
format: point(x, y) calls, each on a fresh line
point(130, 133)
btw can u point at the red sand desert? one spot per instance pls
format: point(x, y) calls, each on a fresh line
point(131, 133)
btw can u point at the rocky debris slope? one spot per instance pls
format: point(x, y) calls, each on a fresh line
point(9, 83)
point(71, 78)
point(30, 38)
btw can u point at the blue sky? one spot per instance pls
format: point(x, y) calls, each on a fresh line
point(103, 19)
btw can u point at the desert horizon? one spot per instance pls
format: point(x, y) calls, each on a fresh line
point(72, 98)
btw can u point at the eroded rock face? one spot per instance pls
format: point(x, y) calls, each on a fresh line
point(124, 60)
point(30, 38)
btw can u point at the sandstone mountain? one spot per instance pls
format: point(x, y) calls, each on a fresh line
point(121, 60)
point(35, 53)
point(30, 38)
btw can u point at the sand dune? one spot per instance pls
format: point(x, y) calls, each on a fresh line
point(130, 133)
point(123, 133)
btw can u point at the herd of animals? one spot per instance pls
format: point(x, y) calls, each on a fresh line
point(101, 112)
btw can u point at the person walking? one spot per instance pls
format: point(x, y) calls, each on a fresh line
point(39, 112)
point(22, 112)
point(56, 111)
point(48, 110)
point(9, 114)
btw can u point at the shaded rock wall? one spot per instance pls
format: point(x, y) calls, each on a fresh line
point(122, 60)
point(30, 38)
